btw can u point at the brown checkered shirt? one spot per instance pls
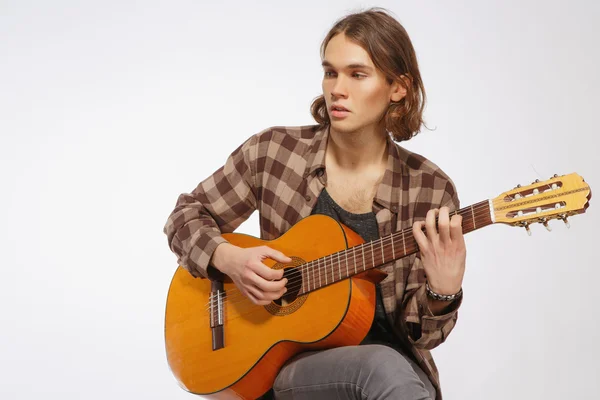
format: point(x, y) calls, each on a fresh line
point(281, 171)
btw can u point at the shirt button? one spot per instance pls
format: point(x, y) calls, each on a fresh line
point(394, 208)
point(307, 198)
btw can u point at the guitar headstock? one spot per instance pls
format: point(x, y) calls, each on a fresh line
point(556, 198)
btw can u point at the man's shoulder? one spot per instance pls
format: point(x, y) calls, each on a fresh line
point(431, 184)
point(302, 133)
point(417, 164)
point(276, 142)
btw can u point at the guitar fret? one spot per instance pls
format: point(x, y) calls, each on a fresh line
point(473, 214)
point(347, 273)
point(308, 277)
point(364, 262)
point(393, 252)
point(382, 255)
point(332, 271)
point(372, 254)
point(354, 256)
point(319, 270)
point(325, 267)
point(339, 266)
point(403, 242)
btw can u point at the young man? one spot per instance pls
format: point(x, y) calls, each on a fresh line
point(349, 167)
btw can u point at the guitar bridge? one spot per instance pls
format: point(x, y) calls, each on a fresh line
point(216, 314)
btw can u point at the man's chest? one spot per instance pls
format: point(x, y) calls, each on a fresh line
point(353, 193)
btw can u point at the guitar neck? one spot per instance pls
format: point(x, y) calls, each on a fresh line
point(346, 263)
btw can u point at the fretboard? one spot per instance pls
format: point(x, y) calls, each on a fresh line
point(349, 262)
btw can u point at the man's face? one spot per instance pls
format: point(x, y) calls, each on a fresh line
point(351, 80)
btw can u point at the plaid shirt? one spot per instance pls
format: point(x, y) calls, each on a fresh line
point(281, 171)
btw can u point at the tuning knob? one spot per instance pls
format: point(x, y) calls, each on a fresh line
point(526, 226)
point(565, 220)
point(545, 223)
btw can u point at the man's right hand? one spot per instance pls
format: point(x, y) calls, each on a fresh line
point(245, 267)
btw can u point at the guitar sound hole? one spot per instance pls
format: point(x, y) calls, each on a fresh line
point(294, 285)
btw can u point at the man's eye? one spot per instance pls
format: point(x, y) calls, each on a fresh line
point(355, 75)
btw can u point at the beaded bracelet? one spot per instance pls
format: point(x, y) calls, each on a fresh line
point(442, 297)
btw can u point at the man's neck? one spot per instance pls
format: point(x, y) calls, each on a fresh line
point(353, 151)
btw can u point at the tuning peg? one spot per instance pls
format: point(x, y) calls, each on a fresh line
point(545, 223)
point(555, 176)
point(536, 181)
point(518, 186)
point(564, 219)
point(526, 226)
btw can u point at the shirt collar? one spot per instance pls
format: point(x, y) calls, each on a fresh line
point(389, 190)
point(315, 156)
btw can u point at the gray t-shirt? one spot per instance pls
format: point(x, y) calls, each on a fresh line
point(366, 226)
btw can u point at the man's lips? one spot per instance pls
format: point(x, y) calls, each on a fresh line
point(338, 107)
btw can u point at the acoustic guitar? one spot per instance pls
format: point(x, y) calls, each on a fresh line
point(222, 346)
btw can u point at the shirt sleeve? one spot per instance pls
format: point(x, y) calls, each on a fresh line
point(219, 204)
point(425, 330)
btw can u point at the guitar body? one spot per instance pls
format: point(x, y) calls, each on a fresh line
point(258, 340)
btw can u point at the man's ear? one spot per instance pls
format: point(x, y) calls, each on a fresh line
point(399, 88)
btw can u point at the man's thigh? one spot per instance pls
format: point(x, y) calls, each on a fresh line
point(352, 372)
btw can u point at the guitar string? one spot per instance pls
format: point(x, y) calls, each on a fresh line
point(368, 253)
point(234, 294)
point(328, 261)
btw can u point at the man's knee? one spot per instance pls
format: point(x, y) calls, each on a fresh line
point(388, 373)
point(383, 362)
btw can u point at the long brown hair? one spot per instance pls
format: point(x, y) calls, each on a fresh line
point(391, 50)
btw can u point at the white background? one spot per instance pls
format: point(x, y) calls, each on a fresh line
point(109, 110)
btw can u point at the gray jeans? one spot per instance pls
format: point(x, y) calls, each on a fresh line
point(371, 371)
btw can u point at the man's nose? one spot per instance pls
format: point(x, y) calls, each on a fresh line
point(339, 88)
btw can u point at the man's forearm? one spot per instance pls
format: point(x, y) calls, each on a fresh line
point(219, 256)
